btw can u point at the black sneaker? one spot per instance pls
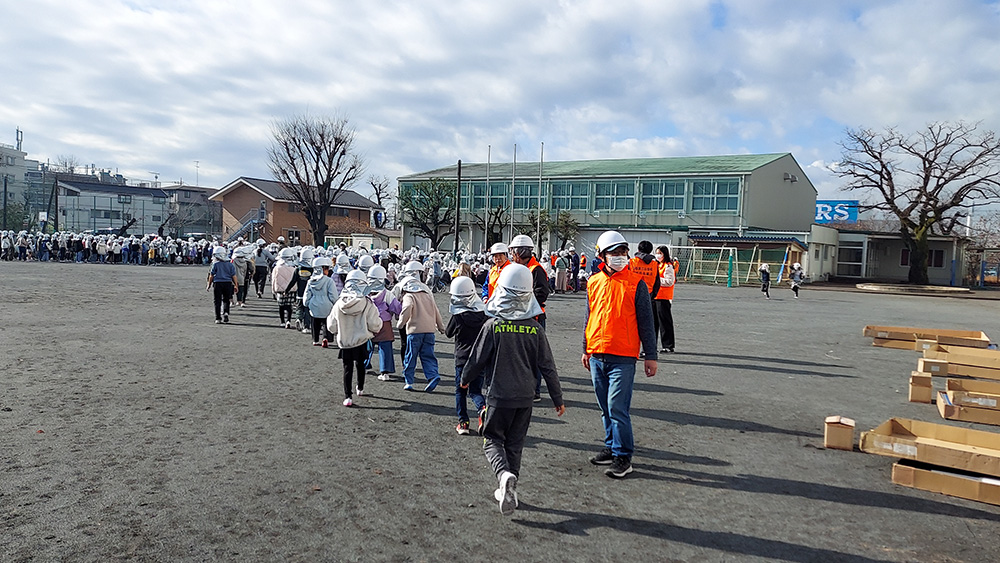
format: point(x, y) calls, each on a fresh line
point(603, 458)
point(620, 467)
point(537, 399)
point(225, 318)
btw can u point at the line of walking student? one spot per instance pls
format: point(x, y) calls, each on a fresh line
point(498, 326)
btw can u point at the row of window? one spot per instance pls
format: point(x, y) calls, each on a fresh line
point(696, 195)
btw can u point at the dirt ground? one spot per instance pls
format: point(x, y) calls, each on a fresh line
point(132, 427)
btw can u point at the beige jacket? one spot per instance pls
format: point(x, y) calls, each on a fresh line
point(420, 314)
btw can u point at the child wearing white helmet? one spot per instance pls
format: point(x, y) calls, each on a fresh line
point(319, 296)
point(420, 316)
point(388, 307)
point(765, 280)
point(796, 277)
point(468, 315)
point(514, 334)
point(224, 278)
point(244, 269)
point(282, 283)
point(354, 319)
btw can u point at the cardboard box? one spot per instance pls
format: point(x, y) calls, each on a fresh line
point(933, 367)
point(890, 343)
point(966, 356)
point(839, 433)
point(971, 338)
point(937, 480)
point(969, 392)
point(937, 444)
point(949, 410)
point(925, 344)
point(972, 371)
point(921, 388)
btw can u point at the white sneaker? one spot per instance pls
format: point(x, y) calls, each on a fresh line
point(383, 377)
point(507, 493)
point(407, 387)
point(359, 391)
point(306, 331)
point(348, 402)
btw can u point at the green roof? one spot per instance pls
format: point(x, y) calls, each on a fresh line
point(726, 164)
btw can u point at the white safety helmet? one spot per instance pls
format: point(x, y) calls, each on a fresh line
point(377, 273)
point(796, 266)
point(220, 253)
point(516, 277)
point(321, 261)
point(307, 255)
point(343, 264)
point(521, 241)
point(498, 248)
point(413, 266)
point(610, 240)
point(287, 254)
point(365, 262)
point(281, 239)
point(261, 242)
point(356, 275)
point(462, 286)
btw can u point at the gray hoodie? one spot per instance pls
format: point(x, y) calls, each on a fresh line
point(319, 296)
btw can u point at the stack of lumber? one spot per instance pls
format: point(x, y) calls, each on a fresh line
point(963, 398)
point(939, 458)
point(905, 338)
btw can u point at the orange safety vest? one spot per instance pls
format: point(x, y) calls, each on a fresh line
point(532, 265)
point(491, 281)
point(648, 272)
point(583, 261)
point(666, 291)
point(611, 327)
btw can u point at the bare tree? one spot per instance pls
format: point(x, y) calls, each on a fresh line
point(314, 160)
point(382, 194)
point(493, 221)
point(927, 179)
point(67, 163)
point(565, 228)
point(429, 207)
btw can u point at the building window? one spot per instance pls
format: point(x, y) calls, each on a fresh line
point(816, 253)
point(567, 196)
point(157, 199)
point(616, 195)
point(850, 258)
point(935, 258)
point(294, 236)
point(666, 195)
point(526, 195)
point(187, 194)
point(155, 218)
point(715, 195)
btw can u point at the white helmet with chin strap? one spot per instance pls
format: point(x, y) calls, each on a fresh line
point(513, 298)
point(610, 240)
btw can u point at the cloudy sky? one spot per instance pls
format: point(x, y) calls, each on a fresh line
point(147, 86)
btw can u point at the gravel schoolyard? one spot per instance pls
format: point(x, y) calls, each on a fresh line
point(133, 428)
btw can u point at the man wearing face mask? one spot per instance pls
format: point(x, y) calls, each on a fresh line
point(498, 253)
point(619, 319)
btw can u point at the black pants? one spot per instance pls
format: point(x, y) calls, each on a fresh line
point(318, 329)
point(285, 313)
point(504, 432)
point(354, 358)
point(402, 344)
point(664, 322)
point(223, 295)
point(260, 278)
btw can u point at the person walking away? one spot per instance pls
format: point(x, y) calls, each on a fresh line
point(319, 296)
point(765, 280)
point(412, 269)
point(796, 277)
point(468, 315)
point(244, 273)
point(303, 272)
point(354, 320)
point(562, 267)
point(342, 268)
point(281, 283)
point(574, 270)
point(421, 317)
point(262, 261)
point(663, 320)
point(224, 278)
point(388, 307)
point(619, 320)
point(645, 265)
point(510, 349)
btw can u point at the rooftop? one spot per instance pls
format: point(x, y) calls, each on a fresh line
point(274, 191)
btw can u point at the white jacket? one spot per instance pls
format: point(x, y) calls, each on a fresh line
point(354, 320)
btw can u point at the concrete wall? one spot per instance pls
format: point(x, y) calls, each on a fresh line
point(771, 202)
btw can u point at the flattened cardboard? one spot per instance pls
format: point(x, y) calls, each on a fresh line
point(951, 411)
point(972, 371)
point(933, 367)
point(966, 356)
point(937, 444)
point(971, 338)
point(921, 390)
point(924, 344)
point(938, 480)
point(838, 433)
point(890, 343)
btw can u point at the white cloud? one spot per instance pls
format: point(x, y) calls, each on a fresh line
point(155, 85)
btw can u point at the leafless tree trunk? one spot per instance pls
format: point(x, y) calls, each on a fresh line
point(382, 194)
point(314, 160)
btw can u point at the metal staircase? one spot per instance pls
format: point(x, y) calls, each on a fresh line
point(249, 224)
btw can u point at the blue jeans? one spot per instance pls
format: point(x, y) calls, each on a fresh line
point(386, 359)
point(475, 391)
point(420, 345)
point(613, 387)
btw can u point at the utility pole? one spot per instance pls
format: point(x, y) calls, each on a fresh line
point(541, 157)
point(458, 208)
point(5, 201)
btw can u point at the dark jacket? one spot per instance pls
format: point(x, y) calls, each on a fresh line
point(464, 328)
point(507, 354)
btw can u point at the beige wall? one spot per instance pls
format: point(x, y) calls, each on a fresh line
point(771, 202)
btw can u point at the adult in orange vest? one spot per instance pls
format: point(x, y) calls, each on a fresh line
point(521, 248)
point(644, 264)
point(499, 254)
point(662, 300)
point(619, 320)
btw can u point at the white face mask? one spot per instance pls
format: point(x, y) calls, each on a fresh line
point(617, 263)
point(659, 257)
